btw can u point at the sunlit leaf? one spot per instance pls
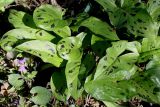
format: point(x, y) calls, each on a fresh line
point(140, 23)
point(40, 95)
point(114, 61)
point(21, 19)
point(108, 5)
point(62, 31)
point(47, 16)
point(16, 80)
point(16, 36)
point(43, 49)
point(4, 3)
point(154, 9)
point(150, 47)
point(70, 48)
point(72, 70)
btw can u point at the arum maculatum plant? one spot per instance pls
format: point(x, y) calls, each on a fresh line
point(114, 60)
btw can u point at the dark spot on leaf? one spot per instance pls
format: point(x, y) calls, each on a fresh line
point(40, 33)
point(112, 58)
point(117, 81)
point(156, 89)
point(45, 22)
point(62, 46)
point(29, 50)
point(38, 15)
point(59, 31)
point(72, 45)
point(135, 22)
point(104, 67)
point(70, 71)
point(124, 14)
point(40, 18)
point(35, 94)
point(138, 31)
point(69, 50)
point(114, 67)
point(145, 28)
point(20, 78)
point(122, 93)
point(5, 36)
point(132, 14)
point(6, 44)
point(70, 85)
point(52, 26)
point(63, 54)
point(43, 10)
point(139, 20)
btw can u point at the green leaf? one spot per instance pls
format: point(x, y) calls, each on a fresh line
point(100, 27)
point(62, 31)
point(4, 3)
point(115, 61)
point(108, 5)
point(99, 45)
point(153, 9)
point(140, 23)
point(40, 95)
point(144, 85)
point(70, 48)
point(109, 91)
point(47, 16)
point(16, 80)
point(129, 3)
point(118, 18)
point(59, 85)
point(43, 49)
point(72, 70)
point(87, 65)
point(20, 19)
point(150, 47)
point(16, 36)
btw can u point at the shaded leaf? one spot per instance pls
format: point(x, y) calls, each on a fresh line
point(99, 27)
point(99, 45)
point(59, 85)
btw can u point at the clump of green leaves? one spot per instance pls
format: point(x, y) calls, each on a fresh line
point(96, 60)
